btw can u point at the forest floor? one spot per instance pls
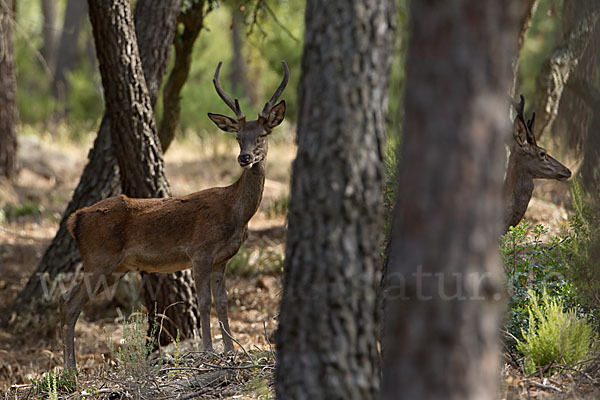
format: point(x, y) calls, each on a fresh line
point(32, 208)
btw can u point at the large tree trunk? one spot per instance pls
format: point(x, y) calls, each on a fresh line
point(100, 179)
point(327, 336)
point(444, 282)
point(8, 92)
point(192, 20)
point(68, 52)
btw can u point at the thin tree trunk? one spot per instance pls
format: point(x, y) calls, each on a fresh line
point(8, 92)
point(49, 33)
point(68, 52)
point(444, 279)
point(192, 20)
point(528, 9)
point(327, 335)
point(238, 76)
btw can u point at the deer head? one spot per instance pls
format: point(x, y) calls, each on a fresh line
point(251, 135)
point(531, 158)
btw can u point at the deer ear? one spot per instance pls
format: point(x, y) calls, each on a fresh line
point(520, 131)
point(224, 123)
point(276, 115)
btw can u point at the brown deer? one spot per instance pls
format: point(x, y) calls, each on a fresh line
point(527, 162)
point(202, 230)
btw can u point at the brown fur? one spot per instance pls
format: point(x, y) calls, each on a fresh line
point(202, 230)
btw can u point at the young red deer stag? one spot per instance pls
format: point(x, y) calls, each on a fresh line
point(201, 230)
point(527, 162)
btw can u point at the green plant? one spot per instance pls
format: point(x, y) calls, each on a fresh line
point(53, 382)
point(555, 336)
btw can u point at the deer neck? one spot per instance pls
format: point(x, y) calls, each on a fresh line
point(248, 191)
point(518, 188)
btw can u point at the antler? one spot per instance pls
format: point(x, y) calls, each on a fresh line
point(234, 105)
point(519, 107)
point(267, 108)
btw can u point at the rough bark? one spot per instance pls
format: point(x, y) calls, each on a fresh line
point(327, 336)
point(100, 178)
point(8, 92)
point(443, 287)
point(192, 20)
point(559, 66)
point(68, 51)
point(49, 33)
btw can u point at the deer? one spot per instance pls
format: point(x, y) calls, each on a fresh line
point(527, 161)
point(201, 230)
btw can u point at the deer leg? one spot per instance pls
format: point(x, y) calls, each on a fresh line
point(202, 280)
point(71, 307)
point(219, 292)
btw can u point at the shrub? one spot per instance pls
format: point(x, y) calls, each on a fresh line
point(582, 251)
point(133, 354)
point(555, 336)
point(531, 264)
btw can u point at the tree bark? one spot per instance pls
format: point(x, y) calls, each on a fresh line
point(49, 33)
point(443, 288)
point(192, 20)
point(327, 335)
point(8, 92)
point(68, 52)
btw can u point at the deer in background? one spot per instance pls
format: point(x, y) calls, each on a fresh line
point(202, 230)
point(527, 162)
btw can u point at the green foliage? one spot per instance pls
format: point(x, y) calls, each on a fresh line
point(582, 251)
point(555, 336)
point(249, 262)
point(531, 265)
point(53, 382)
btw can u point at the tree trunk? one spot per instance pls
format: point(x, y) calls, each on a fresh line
point(68, 52)
point(192, 19)
point(238, 76)
point(327, 336)
point(49, 33)
point(100, 178)
point(443, 288)
point(8, 92)
point(528, 9)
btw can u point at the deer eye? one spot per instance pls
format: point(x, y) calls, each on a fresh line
point(542, 154)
